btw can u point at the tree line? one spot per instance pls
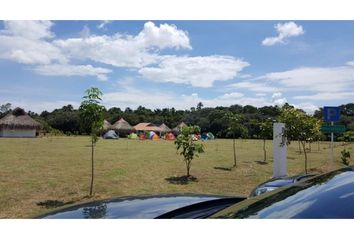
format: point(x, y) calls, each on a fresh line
point(215, 120)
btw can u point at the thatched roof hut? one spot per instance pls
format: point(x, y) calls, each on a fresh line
point(122, 127)
point(164, 128)
point(18, 124)
point(107, 126)
point(177, 129)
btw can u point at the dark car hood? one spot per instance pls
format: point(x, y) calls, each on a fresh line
point(130, 207)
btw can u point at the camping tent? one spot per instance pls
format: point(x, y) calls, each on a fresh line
point(170, 136)
point(142, 136)
point(207, 136)
point(133, 136)
point(122, 127)
point(111, 134)
point(210, 136)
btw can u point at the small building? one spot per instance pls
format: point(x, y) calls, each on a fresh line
point(142, 127)
point(122, 127)
point(18, 124)
point(165, 129)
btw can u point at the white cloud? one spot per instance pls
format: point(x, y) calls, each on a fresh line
point(350, 63)
point(285, 30)
point(26, 42)
point(196, 71)
point(28, 29)
point(165, 36)
point(278, 100)
point(254, 86)
point(85, 32)
point(307, 107)
point(72, 70)
point(325, 96)
point(103, 24)
point(276, 95)
point(233, 95)
point(126, 50)
point(333, 79)
point(154, 99)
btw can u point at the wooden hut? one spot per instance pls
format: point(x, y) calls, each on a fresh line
point(165, 129)
point(18, 124)
point(123, 127)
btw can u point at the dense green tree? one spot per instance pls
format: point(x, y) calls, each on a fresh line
point(300, 127)
point(187, 147)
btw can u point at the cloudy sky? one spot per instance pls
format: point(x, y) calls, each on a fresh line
point(157, 64)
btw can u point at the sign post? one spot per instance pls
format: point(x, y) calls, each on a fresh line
point(331, 114)
point(279, 150)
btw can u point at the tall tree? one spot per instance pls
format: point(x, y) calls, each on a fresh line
point(91, 116)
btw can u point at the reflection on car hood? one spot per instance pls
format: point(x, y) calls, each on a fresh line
point(329, 195)
point(130, 207)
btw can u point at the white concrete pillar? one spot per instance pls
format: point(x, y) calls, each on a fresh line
point(279, 150)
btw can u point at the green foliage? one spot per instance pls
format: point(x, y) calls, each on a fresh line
point(300, 127)
point(345, 157)
point(91, 117)
point(91, 113)
point(187, 147)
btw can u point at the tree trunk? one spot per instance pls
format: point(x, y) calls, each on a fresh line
point(188, 166)
point(234, 148)
point(264, 150)
point(304, 148)
point(92, 166)
point(318, 146)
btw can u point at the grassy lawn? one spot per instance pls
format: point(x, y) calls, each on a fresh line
point(58, 168)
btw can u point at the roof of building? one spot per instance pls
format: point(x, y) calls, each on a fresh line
point(122, 125)
point(147, 127)
point(19, 119)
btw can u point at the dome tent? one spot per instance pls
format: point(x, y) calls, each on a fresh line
point(133, 136)
point(170, 136)
point(111, 134)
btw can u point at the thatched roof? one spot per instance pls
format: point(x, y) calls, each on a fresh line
point(179, 127)
point(147, 127)
point(106, 125)
point(122, 125)
point(18, 119)
point(165, 128)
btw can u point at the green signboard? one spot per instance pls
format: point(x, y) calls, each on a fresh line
point(333, 129)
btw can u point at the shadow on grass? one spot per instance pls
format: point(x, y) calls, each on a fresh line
point(182, 180)
point(53, 203)
point(261, 162)
point(224, 168)
point(57, 203)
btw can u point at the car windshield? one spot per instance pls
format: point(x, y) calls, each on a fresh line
point(327, 196)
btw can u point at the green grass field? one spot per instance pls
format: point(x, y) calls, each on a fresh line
point(58, 168)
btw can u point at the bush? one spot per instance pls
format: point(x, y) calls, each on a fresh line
point(345, 157)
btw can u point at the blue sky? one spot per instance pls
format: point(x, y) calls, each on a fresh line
point(157, 64)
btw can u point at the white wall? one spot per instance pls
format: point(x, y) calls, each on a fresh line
point(17, 133)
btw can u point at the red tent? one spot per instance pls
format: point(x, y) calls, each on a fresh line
point(170, 136)
point(142, 136)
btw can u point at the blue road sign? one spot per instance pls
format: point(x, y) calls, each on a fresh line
point(331, 114)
